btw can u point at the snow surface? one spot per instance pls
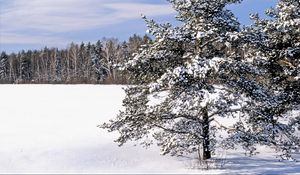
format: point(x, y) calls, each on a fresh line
point(53, 129)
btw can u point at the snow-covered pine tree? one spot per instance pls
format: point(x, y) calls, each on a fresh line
point(281, 45)
point(58, 68)
point(3, 66)
point(26, 69)
point(180, 98)
point(98, 62)
point(272, 85)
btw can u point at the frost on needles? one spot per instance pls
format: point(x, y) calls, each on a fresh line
point(208, 70)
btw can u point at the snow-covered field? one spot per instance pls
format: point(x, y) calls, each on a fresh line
point(53, 129)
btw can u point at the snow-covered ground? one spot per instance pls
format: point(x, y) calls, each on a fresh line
point(53, 129)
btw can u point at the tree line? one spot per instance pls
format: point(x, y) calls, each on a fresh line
point(85, 63)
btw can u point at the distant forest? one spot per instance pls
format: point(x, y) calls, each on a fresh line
point(85, 63)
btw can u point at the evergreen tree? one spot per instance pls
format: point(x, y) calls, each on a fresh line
point(125, 52)
point(181, 93)
point(82, 61)
point(271, 82)
point(3, 66)
point(26, 68)
point(134, 43)
point(98, 63)
point(58, 68)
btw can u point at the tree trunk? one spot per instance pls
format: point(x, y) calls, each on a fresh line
point(206, 141)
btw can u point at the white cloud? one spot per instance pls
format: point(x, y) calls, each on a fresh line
point(53, 16)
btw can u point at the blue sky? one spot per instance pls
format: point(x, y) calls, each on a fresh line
point(32, 24)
